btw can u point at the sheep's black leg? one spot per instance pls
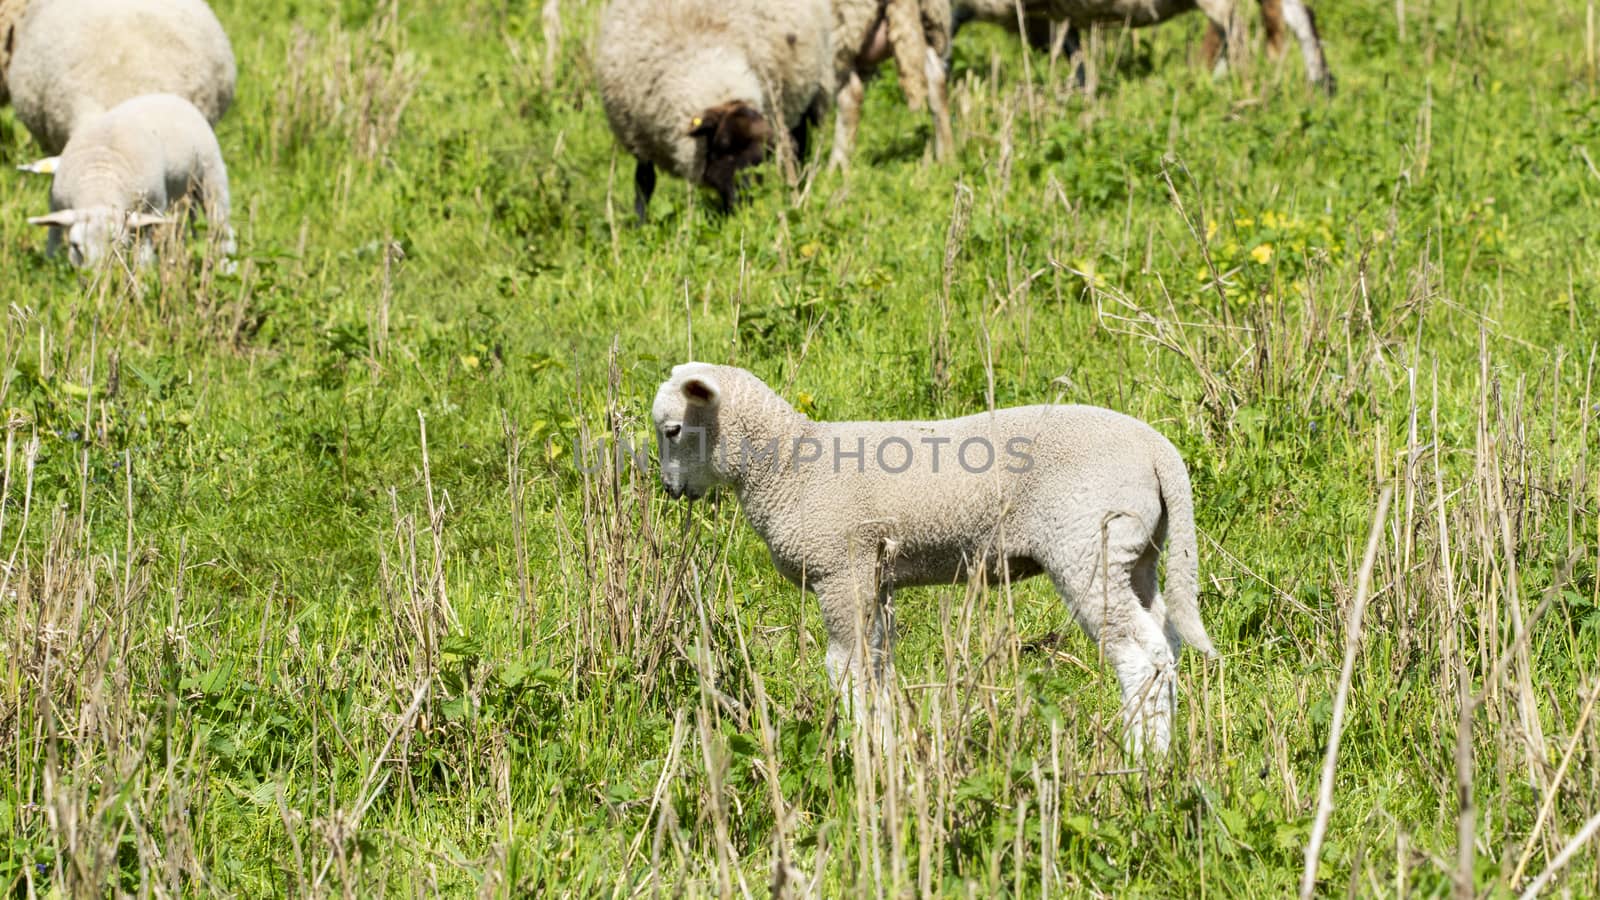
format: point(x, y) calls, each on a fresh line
point(1070, 47)
point(960, 14)
point(800, 134)
point(644, 184)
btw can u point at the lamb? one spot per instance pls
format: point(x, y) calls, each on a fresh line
point(697, 86)
point(124, 170)
point(917, 33)
point(74, 59)
point(1275, 15)
point(851, 510)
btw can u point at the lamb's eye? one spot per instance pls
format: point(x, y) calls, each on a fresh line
point(672, 431)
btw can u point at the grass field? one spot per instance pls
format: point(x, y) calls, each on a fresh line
point(305, 592)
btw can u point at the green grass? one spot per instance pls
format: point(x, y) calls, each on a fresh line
point(256, 638)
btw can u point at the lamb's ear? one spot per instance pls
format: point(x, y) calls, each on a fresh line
point(61, 218)
point(701, 390)
point(137, 220)
point(46, 166)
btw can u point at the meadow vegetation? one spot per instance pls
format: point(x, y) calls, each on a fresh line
point(307, 591)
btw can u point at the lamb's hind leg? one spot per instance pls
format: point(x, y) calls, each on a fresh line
point(1147, 586)
point(1105, 601)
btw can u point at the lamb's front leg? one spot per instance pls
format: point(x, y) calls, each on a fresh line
point(859, 622)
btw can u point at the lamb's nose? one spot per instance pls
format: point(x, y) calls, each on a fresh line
point(675, 491)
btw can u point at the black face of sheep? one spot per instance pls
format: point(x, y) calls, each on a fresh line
point(736, 138)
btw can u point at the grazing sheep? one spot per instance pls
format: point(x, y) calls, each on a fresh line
point(1275, 14)
point(866, 32)
point(74, 59)
point(697, 87)
point(851, 510)
point(123, 170)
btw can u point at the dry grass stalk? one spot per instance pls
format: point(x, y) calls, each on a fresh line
point(1352, 646)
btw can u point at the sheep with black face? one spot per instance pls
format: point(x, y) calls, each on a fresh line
point(701, 87)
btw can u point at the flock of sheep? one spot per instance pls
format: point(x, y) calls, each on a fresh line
point(127, 92)
point(705, 89)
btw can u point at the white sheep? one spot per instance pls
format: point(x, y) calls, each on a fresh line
point(866, 32)
point(125, 169)
point(1275, 14)
point(697, 87)
point(851, 510)
point(74, 59)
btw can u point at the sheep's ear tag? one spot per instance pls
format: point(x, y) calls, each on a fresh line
point(700, 392)
point(46, 166)
point(63, 218)
point(699, 127)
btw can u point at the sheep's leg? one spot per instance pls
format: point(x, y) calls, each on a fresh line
point(1213, 45)
point(859, 621)
point(846, 120)
point(960, 15)
point(644, 184)
point(218, 205)
point(1107, 592)
point(1147, 587)
point(1147, 672)
point(1272, 24)
point(939, 104)
point(800, 134)
point(1300, 21)
point(1219, 37)
point(1072, 49)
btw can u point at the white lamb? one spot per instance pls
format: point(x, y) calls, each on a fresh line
point(851, 510)
point(1275, 15)
point(74, 59)
point(698, 87)
point(125, 169)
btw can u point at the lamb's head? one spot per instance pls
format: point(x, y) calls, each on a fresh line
point(736, 136)
point(685, 413)
point(92, 233)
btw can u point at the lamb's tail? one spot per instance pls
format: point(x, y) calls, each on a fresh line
point(1182, 589)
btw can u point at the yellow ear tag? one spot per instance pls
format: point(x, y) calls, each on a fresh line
point(695, 123)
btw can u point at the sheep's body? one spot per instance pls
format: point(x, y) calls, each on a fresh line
point(1275, 14)
point(129, 166)
point(1083, 494)
point(75, 59)
point(866, 32)
point(694, 86)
